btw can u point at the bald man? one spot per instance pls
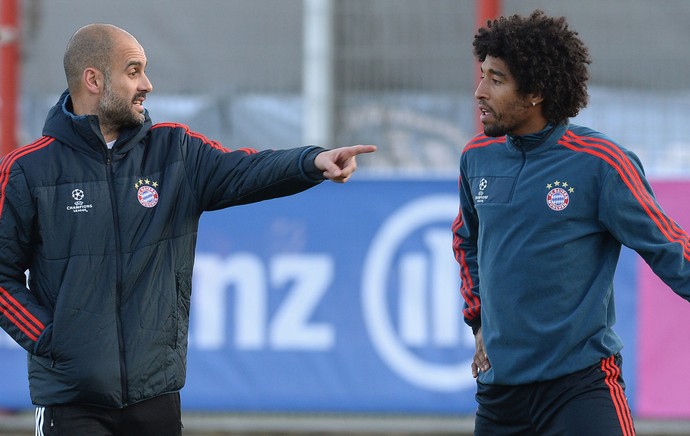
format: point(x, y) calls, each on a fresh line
point(103, 212)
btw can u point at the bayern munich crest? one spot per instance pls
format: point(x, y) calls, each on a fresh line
point(146, 192)
point(558, 197)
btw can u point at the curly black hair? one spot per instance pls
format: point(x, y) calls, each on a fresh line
point(545, 58)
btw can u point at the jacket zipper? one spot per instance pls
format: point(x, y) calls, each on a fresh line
point(522, 167)
point(118, 283)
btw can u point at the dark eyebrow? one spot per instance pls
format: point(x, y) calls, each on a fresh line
point(134, 63)
point(496, 73)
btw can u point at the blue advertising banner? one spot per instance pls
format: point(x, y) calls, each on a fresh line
point(341, 299)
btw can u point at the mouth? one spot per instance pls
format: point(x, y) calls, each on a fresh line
point(138, 103)
point(485, 114)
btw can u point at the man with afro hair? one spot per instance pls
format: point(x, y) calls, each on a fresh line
point(545, 206)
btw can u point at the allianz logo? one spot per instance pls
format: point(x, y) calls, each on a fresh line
point(411, 300)
point(410, 304)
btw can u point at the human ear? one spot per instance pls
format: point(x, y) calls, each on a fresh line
point(93, 80)
point(535, 99)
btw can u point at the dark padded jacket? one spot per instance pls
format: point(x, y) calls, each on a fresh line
point(108, 238)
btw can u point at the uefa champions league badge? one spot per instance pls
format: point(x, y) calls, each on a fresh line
point(558, 197)
point(146, 192)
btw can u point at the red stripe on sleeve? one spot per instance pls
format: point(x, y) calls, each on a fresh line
point(616, 158)
point(19, 316)
point(482, 141)
point(215, 144)
point(629, 169)
point(473, 303)
point(9, 160)
point(466, 279)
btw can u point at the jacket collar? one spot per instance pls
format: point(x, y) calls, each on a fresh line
point(83, 131)
point(537, 142)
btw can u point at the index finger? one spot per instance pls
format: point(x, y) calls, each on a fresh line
point(359, 149)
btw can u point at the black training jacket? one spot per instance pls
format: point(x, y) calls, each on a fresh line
point(108, 239)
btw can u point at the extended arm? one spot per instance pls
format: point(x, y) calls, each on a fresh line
point(223, 178)
point(632, 215)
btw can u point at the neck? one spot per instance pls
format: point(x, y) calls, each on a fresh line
point(109, 134)
point(81, 105)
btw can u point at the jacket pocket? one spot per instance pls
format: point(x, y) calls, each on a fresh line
point(183, 285)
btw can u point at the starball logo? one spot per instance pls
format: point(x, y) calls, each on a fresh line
point(79, 204)
point(481, 197)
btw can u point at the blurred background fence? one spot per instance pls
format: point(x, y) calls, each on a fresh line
point(399, 74)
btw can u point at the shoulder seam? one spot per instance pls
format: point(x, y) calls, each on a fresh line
point(215, 144)
point(12, 157)
point(614, 156)
point(482, 141)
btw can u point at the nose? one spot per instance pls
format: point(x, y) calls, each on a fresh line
point(480, 92)
point(145, 84)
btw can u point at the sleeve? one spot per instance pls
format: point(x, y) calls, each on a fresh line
point(465, 230)
point(631, 213)
point(21, 315)
point(223, 178)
